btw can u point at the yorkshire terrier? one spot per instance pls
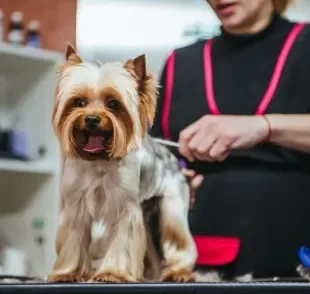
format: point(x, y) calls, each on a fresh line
point(111, 166)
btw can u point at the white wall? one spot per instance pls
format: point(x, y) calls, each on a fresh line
point(121, 29)
point(299, 11)
point(117, 30)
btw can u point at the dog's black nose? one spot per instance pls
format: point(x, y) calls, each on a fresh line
point(92, 121)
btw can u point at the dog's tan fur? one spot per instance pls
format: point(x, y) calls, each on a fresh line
point(102, 194)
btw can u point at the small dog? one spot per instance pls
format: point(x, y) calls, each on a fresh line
point(111, 166)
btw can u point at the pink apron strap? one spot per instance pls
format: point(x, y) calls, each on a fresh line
point(209, 78)
point(262, 107)
point(170, 65)
point(272, 87)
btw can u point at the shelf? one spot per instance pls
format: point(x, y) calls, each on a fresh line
point(36, 167)
point(29, 53)
point(21, 59)
point(28, 79)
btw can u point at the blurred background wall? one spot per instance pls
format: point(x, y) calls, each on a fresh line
point(117, 30)
point(57, 18)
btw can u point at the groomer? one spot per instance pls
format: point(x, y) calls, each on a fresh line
point(239, 105)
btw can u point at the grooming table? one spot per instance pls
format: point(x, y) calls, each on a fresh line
point(209, 288)
point(25, 285)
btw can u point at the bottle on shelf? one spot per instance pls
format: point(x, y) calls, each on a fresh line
point(33, 38)
point(16, 29)
point(1, 25)
point(19, 146)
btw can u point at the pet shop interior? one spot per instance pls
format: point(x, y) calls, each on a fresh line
point(34, 35)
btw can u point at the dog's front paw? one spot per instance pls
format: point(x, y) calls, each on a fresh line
point(74, 277)
point(107, 277)
point(180, 276)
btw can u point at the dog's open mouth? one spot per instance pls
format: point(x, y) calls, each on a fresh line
point(96, 141)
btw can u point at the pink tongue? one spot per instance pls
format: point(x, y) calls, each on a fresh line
point(94, 144)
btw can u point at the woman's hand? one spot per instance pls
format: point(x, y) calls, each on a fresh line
point(212, 138)
point(195, 182)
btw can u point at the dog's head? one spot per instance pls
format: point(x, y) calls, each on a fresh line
point(103, 112)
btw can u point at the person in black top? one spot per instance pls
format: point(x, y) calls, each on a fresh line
point(239, 106)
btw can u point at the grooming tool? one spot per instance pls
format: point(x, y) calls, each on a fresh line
point(166, 142)
point(169, 144)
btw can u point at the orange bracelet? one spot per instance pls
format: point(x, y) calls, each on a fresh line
point(269, 128)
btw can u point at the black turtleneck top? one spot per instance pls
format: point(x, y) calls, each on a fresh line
point(262, 195)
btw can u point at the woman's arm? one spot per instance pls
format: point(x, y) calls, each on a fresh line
point(290, 130)
point(293, 130)
point(212, 138)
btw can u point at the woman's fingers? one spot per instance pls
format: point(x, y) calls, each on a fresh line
point(194, 185)
point(196, 182)
point(185, 137)
point(219, 151)
point(203, 148)
point(188, 172)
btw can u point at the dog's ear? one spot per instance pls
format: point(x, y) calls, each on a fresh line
point(71, 57)
point(138, 66)
point(147, 90)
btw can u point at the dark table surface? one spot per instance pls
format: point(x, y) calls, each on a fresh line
point(209, 288)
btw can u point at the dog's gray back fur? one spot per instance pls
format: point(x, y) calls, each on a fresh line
point(159, 167)
point(159, 170)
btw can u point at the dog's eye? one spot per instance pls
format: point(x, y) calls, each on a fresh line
point(78, 102)
point(113, 104)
